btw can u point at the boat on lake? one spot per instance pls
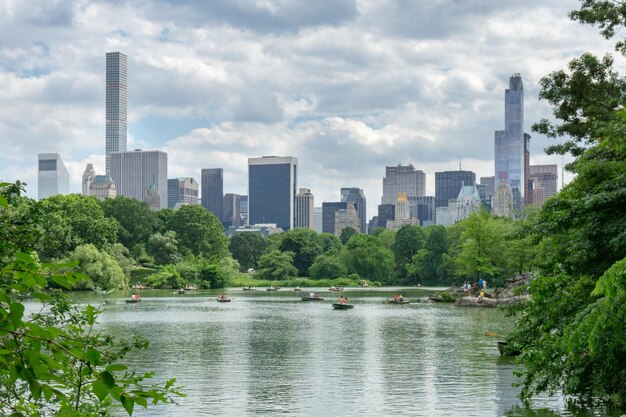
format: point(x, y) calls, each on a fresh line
point(333, 288)
point(272, 288)
point(223, 299)
point(399, 301)
point(249, 288)
point(342, 306)
point(135, 298)
point(436, 299)
point(313, 298)
point(297, 289)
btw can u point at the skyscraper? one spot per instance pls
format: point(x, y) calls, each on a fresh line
point(135, 171)
point(423, 209)
point(272, 182)
point(305, 210)
point(402, 179)
point(88, 176)
point(116, 102)
point(52, 178)
point(510, 142)
point(232, 210)
point(357, 196)
point(548, 178)
point(449, 183)
point(328, 214)
point(182, 191)
point(212, 183)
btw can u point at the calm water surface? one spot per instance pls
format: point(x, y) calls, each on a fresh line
point(268, 353)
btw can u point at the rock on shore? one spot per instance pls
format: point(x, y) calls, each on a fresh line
point(514, 291)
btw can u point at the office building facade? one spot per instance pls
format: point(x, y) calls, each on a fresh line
point(212, 183)
point(328, 215)
point(133, 172)
point(272, 182)
point(52, 176)
point(88, 176)
point(386, 212)
point(182, 191)
point(305, 210)
point(348, 217)
point(357, 197)
point(511, 143)
point(232, 210)
point(547, 176)
point(318, 219)
point(102, 187)
point(116, 105)
point(423, 209)
point(449, 183)
point(402, 179)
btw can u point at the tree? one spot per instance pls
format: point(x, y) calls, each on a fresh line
point(346, 234)
point(426, 265)
point(328, 266)
point(104, 271)
point(304, 245)
point(329, 242)
point(164, 248)
point(247, 248)
point(408, 241)
point(137, 222)
point(368, 258)
point(73, 220)
point(482, 245)
point(571, 330)
point(54, 362)
point(276, 265)
point(199, 231)
point(123, 259)
point(386, 237)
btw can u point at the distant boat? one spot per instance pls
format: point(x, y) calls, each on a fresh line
point(273, 288)
point(342, 306)
point(135, 298)
point(297, 289)
point(190, 288)
point(436, 299)
point(333, 288)
point(249, 288)
point(403, 301)
point(314, 298)
point(223, 299)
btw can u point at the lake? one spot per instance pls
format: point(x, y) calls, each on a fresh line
point(268, 353)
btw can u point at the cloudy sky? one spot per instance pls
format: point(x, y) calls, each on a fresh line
point(346, 86)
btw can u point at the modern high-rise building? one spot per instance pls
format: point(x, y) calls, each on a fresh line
point(449, 183)
point(232, 210)
point(243, 209)
point(510, 143)
point(386, 212)
point(402, 179)
point(272, 182)
point(502, 200)
point(328, 215)
point(116, 105)
point(52, 176)
point(357, 196)
point(318, 219)
point(490, 182)
point(133, 172)
point(88, 176)
point(182, 191)
point(548, 178)
point(423, 209)
point(212, 183)
point(305, 210)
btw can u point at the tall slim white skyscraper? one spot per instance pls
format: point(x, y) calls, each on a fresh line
point(116, 102)
point(53, 178)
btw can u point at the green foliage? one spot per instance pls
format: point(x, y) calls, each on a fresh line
point(328, 266)
point(386, 237)
point(609, 15)
point(346, 234)
point(73, 220)
point(408, 241)
point(102, 269)
point(329, 242)
point(54, 362)
point(166, 277)
point(304, 245)
point(247, 248)
point(199, 231)
point(368, 258)
point(136, 222)
point(123, 259)
point(427, 265)
point(276, 265)
point(211, 274)
point(163, 248)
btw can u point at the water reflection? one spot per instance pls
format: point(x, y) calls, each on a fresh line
point(275, 355)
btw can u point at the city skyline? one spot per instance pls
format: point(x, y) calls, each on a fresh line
point(321, 101)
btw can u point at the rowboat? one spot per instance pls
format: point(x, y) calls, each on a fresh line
point(333, 288)
point(133, 300)
point(297, 289)
point(404, 301)
point(249, 288)
point(223, 300)
point(341, 306)
point(312, 299)
point(272, 288)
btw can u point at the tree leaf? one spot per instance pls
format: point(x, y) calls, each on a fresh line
point(128, 404)
point(100, 389)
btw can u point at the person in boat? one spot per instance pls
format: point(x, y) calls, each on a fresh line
point(400, 298)
point(312, 295)
point(395, 297)
point(223, 296)
point(343, 300)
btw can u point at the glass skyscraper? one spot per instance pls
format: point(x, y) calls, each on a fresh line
point(116, 101)
point(212, 184)
point(448, 184)
point(357, 196)
point(137, 172)
point(272, 182)
point(509, 143)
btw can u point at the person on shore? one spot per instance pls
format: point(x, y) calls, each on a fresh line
point(480, 297)
point(485, 284)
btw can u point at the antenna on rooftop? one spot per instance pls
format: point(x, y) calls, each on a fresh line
point(460, 164)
